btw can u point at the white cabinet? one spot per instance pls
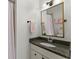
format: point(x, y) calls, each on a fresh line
point(43, 54)
point(36, 55)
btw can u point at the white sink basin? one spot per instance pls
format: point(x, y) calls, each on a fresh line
point(47, 44)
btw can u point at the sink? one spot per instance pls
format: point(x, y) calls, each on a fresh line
point(47, 44)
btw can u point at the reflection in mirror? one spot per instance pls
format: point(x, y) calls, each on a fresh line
point(53, 20)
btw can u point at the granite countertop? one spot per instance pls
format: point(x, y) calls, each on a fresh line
point(60, 49)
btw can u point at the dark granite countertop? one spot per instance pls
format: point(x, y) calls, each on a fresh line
point(60, 49)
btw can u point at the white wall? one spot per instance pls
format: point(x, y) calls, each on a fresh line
point(67, 14)
point(26, 9)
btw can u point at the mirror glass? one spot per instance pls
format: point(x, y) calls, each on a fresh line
point(52, 20)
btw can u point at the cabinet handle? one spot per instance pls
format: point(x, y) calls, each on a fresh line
point(35, 54)
point(42, 58)
point(65, 20)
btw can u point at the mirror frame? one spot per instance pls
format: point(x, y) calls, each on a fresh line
point(63, 23)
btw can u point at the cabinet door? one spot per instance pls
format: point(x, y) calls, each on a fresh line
point(35, 55)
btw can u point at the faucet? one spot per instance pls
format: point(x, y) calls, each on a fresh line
point(49, 39)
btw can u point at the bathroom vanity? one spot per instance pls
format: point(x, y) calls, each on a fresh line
point(58, 50)
point(53, 24)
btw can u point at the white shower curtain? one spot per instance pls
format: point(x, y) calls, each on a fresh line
point(11, 45)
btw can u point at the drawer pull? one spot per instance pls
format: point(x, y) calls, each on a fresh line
point(35, 54)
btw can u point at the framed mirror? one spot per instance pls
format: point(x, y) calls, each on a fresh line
point(52, 20)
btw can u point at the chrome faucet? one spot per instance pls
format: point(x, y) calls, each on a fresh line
point(49, 39)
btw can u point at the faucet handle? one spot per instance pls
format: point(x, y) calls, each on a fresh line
point(49, 39)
